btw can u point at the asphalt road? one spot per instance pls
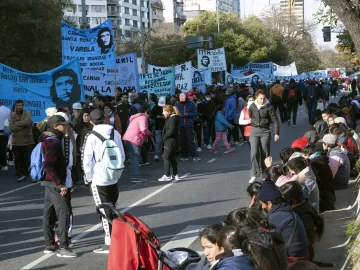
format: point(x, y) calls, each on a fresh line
point(209, 190)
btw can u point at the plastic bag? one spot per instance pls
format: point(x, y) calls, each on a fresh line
point(175, 257)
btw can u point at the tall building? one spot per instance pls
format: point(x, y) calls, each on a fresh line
point(191, 7)
point(126, 15)
point(293, 12)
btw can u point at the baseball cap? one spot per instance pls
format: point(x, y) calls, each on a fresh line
point(162, 101)
point(77, 106)
point(50, 111)
point(340, 120)
point(56, 120)
point(329, 139)
point(182, 97)
point(97, 116)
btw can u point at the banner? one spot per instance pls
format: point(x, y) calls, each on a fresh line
point(336, 72)
point(214, 59)
point(95, 47)
point(289, 70)
point(252, 67)
point(127, 77)
point(161, 83)
point(201, 78)
point(183, 75)
point(252, 79)
point(60, 87)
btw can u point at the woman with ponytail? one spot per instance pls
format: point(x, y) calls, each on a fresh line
point(170, 141)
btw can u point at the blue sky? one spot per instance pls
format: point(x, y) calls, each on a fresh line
point(311, 6)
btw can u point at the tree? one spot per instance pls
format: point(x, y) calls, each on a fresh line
point(30, 33)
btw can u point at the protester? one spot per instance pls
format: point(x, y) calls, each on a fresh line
point(20, 124)
point(188, 111)
point(230, 114)
point(4, 115)
point(122, 110)
point(77, 108)
point(311, 96)
point(292, 98)
point(134, 138)
point(261, 114)
point(57, 204)
point(112, 118)
point(207, 112)
point(245, 120)
point(157, 114)
point(221, 125)
point(276, 94)
point(104, 190)
point(171, 141)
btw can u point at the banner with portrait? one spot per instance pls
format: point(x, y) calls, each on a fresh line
point(161, 83)
point(252, 79)
point(213, 59)
point(127, 77)
point(201, 78)
point(336, 72)
point(289, 70)
point(183, 75)
point(94, 47)
point(252, 67)
point(60, 87)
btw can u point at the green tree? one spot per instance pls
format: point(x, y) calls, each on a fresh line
point(30, 35)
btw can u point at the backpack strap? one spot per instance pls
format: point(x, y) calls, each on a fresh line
point(292, 235)
point(112, 120)
point(98, 135)
point(112, 134)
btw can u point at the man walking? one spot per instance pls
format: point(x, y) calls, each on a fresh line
point(4, 115)
point(103, 190)
point(20, 124)
point(276, 94)
point(293, 98)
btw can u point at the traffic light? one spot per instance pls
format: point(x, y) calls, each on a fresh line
point(327, 33)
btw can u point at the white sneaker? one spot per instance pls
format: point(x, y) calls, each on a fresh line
point(196, 159)
point(199, 149)
point(156, 157)
point(252, 179)
point(208, 147)
point(11, 163)
point(176, 177)
point(5, 168)
point(165, 178)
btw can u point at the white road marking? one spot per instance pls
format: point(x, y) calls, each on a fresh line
point(212, 160)
point(185, 238)
point(22, 201)
point(14, 190)
point(97, 226)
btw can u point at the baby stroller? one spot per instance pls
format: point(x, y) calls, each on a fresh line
point(135, 247)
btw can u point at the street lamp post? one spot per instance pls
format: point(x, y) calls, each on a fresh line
point(84, 24)
point(217, 16)
point(142, 42)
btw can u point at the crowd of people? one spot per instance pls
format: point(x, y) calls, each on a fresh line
point(312, 168)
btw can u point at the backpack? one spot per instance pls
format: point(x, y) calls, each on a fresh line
point(111, 163)
point(292, 95)
point(37, 171)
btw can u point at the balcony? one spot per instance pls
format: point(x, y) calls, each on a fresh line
point(112, 13)
point(157, 5)
point(112, 2)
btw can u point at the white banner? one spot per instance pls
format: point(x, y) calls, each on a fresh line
point(201, 78)
point(289, 70)
point(252, 67)
point(214, 59)
point(183, 75)
point(127, 77)
point(254, 78)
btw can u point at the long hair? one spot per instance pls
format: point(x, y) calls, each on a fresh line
point(247, 217)
point(171, 109)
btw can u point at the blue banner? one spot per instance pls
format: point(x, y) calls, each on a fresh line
point(60, 87)
point(94, 47)
point(161, 82)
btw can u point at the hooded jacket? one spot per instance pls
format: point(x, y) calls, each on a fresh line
point(277, 90)
point(340, 167)
point(220, 122)
point(292, 86)
point(230, 108)
point(54, 160)
point(262, 115)
point(281, 216)
point(21, 128)
point(92, 154)
point(190, 109)
point(137, 131)
point(206, 110)
point(308, 178)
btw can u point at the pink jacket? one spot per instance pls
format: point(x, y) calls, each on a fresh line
point(283, 179)
point(137, 131)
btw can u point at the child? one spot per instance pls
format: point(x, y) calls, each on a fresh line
point(220, 127)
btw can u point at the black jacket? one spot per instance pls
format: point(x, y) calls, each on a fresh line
point(171, 133)
point(123, 112)
point(159, 122)
point(206, 110)
point(263, 117)
point(292, 86)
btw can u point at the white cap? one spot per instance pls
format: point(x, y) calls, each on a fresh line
point(77, 106)
point(63, 115)
point(340, 120)
point(162, 101)
point(50, 111)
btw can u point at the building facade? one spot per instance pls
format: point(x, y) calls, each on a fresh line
point(126, 15)
point(293, 12)
point(190, 6)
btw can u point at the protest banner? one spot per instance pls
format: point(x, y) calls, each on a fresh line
point(60, 87)
point(252, 79)
point(281, 71)
point(94, 47)
point(161, 83)
point(183, 75)
point(252, 67)
point(201, 78)
point(127, 77)
point(336, 72)
point(214, 59)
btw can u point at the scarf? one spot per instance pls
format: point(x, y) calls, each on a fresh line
point(107, 114)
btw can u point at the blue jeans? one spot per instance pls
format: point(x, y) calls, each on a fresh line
point(134, 153)
point(158, 141)
point(311, 105)
point(207, 129)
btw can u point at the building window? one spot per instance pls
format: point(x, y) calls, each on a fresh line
point(127, 11)
point(134, 12)
point(134, 2)
point(135, 23)
point(97, 20)
point(127, 33)
point(98, 9)
point(127, 22)
point(145, 4)
point(142, 14)
point(80, 8)
point(126, 1)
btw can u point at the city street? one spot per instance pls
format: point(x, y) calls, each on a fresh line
point(207, 191)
